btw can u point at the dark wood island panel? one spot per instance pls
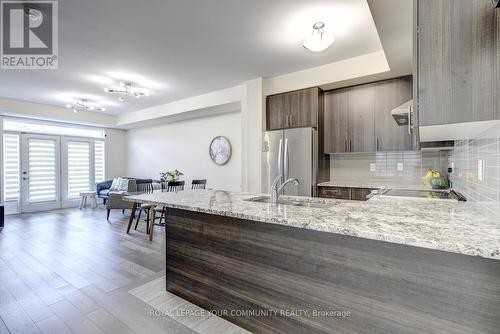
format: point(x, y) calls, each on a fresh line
point(234, 265)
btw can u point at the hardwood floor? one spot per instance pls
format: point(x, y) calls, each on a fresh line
point(154, 295)
point(70, 271)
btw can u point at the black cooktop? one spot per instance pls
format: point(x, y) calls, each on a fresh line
point(432, 194)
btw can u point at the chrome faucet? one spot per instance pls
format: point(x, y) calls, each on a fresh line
point(277, 188)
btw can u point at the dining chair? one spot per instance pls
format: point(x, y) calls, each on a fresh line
point(146, 207)
point(198, 184)
point(172, 186)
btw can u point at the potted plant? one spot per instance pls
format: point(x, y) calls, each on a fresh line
point(170, 176)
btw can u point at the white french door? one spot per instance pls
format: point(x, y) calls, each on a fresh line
point(52, 171)
point(40, 172)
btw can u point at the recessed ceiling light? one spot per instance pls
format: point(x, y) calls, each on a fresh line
point(320, 40)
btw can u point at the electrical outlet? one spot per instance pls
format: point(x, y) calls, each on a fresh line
point(480, 169)
point(373, 167)
point(400, 166)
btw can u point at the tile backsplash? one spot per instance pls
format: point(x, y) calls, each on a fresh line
point(476, 170)
point(404, 168)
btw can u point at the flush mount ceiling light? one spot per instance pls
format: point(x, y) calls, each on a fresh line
point(125, 91)
point(320, 40)
point(83, 105)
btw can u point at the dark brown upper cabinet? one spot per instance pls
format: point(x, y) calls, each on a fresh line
point(458, 61)
point(336, 135)
point(390, 94)
point(358, 119)
point(276, 112)
point(293, 109)
point(361, 118)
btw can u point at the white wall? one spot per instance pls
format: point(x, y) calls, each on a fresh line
point(252, 125)
point(184, 146)
point(116, 153)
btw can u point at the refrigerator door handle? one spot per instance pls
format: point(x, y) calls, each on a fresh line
point(286, 161)
point(280, 158)
point(409, 120)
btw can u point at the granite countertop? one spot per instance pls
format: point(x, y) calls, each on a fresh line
point(457, 227)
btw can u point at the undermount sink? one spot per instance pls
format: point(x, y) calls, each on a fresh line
point(293, 201)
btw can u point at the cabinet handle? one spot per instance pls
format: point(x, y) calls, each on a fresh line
point(350, 145)
point(291, 120)
point(377, 143)
point(345, 145)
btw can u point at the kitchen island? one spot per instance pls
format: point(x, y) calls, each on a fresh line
point(382, 266)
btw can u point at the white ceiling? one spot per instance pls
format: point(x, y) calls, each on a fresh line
point(394, 22)
point(178, 49)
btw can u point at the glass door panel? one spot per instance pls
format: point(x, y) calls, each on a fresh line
point(40, 176)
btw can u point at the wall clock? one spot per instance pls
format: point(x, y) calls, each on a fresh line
point(220, 150)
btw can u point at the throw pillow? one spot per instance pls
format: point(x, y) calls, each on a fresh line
point(115, 184)
point(123, 186)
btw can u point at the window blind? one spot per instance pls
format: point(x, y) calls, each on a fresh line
point(11, 167)
point(78, 168)
point(99, 161)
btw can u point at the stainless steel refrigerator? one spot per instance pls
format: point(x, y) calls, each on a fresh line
point(290, 153)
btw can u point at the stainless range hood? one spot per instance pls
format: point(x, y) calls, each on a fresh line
point(402, 114)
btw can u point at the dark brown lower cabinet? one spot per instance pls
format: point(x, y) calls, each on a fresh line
point(355, 194)
point(334, 192)
point(359, 194)
point(277, 279)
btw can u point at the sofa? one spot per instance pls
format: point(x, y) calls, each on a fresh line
point(102, 188)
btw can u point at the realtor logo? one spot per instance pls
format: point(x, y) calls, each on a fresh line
point(29, 35)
